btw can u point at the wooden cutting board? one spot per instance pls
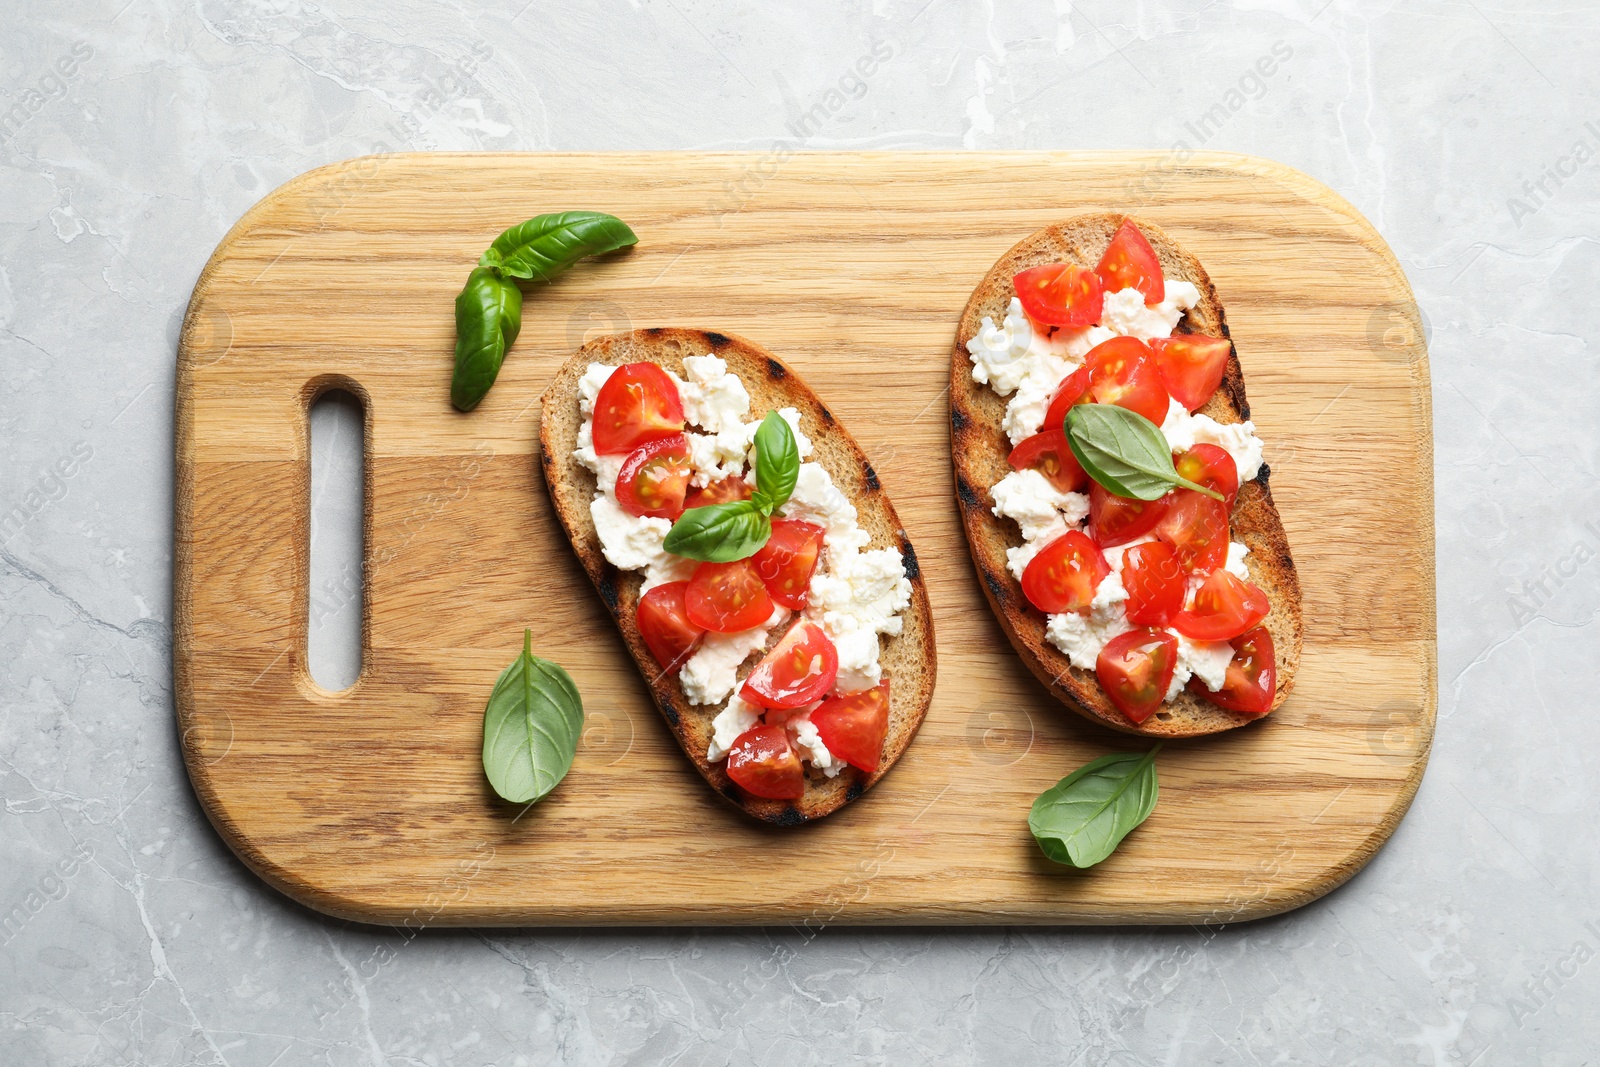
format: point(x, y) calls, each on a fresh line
point(370, 803)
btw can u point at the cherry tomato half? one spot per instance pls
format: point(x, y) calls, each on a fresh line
point(1252, 679)
point(1116, 520)
point(664, 624)
point(1212, 467)
point(854, 725)
point(1060, 294)
point(1196, 526)
point(1048, 453)
point(638, 403)
point(1130, 263)
point(1135, 670)
point(654, 478)
point(731, 488)
point(1073, 390)
point(1192, 366)
point(1123, 371)
point(727, 597)
point(1155, 582)
point(762, 762)
point(799, 669)
point(786, 562)
point(1223, 608)
point(1064, 574)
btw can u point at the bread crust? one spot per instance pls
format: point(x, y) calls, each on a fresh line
point(908, 659)
point(979, 450)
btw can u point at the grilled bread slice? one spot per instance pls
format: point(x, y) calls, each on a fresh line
point(907, 659)
point(980, 448)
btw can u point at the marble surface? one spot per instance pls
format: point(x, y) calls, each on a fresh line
point(133, 133)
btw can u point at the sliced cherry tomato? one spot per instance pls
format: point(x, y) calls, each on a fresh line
point(1123, 371)
point(654, 478)
point(762, 762)
point(1116, 520)
point(728, 489)
point(638, 403)
point(1135, 670)
point(727, 597)
point(1073, 390)
point(1060, 294)
point(1048, 453)
point(1064, 574)
point(1191, 366)
point(1252, 679)
point(786, 562)
point(853, 726)
point(1224, 607)
point(664, 624)
point(1155, 582)
point(799, 669)
point(1212, 467)
point(1196, 526)
point(1130, 263)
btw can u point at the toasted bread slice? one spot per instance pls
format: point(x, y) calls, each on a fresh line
point(980, 450)
point(907, 659)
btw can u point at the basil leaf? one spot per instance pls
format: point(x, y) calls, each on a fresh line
point(531, 727)
point(1125, 452)
point(543, 247)
point(719, 533)
point(488, 319)
point(777, 460)
point(1084, 817)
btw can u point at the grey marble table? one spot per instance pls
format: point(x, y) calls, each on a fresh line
point(133, 133)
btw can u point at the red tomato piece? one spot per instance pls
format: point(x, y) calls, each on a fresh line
point(1212, 467)
point(1196, 526)
point(1135, 670)
point(763, 763)
point(727, 597)
point(1123, 371)
point(638, 403)
point(1252, 679)
point(1155, 582)
point(1192, 366)
point(1130, 263)
point(1048, 453)
point(654, 478)
point(728, 489)
point(1116, 520)
point(1224, 607)
point(799, 669)
point(664, 624)
point(854, 725)
point(1073, 390)
point(786, 562)
point(1064, 574)
point(1060, 294)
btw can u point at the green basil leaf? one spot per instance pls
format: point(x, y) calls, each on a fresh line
point(531, 727)
point(1124, 451)
point(488, 319)
point(546, 245)
point(1084, 817)
point(762, 501)
point(719, 533)
point(777, 460)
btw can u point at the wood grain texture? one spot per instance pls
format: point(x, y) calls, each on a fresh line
point(371, 804)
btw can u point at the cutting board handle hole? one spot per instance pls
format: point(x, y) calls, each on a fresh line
point(337, 585)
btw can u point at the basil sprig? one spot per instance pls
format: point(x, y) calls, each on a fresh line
point(1125, 452)
point(1084, 817)
point(489, 309)
point(530, 727)
point(722, 533)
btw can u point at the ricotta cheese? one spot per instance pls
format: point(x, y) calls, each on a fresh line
point(803, 733)
point(1183, 430)
point(730, 722)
